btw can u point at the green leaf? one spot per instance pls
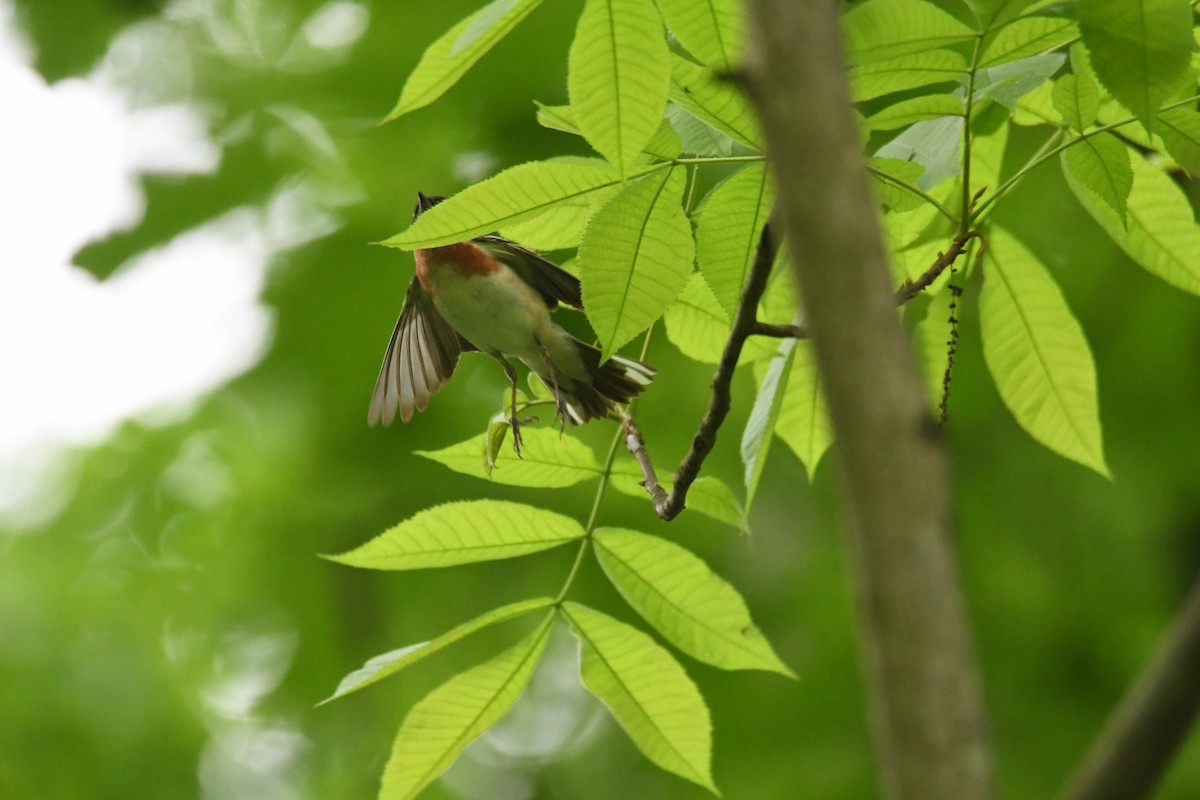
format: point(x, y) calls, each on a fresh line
point(883, 29)
point(720, 103)
point(561, 225)
point(934, 144)
point(515, 195)
point(915, 109)
point(760, 428)
point(1180, 132)
point(664, 144)
point(803, 423)
point(877, 78)
point(1027, 37)
point(556, 118)
point(707, 495)
point(691, 606)
point(635, 257)
point(695, 135)
point(1161, 235)
point(1077, 98)
point(1037, 108)
point(447, 59)
point(452, 715)
point(711, 30)
point(891, 176)
point(382, 666)
point(728, 227)
point(464, 532)
point(1007, 83)
point(1140, 49)
point(1037, 354)
point(647, 691)
point(699, 327)
point(617, 77)
point(548, 460)
point(1101, 163)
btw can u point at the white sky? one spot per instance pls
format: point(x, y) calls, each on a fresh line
point(78, 355)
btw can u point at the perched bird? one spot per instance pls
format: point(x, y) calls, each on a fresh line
point(495, 296)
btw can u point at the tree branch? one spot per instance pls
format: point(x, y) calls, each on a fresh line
point(928, 721)
point(666, 505)
point(1152, 720)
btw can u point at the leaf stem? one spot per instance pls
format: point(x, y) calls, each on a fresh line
point(716, 159)
point(964, 220)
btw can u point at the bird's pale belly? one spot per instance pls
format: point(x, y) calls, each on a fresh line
point(495, 312)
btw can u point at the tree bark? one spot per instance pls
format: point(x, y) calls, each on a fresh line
point(928, 720)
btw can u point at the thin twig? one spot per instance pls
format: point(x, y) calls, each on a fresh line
point(911, 289)
point(776, 331)
point(666, 505)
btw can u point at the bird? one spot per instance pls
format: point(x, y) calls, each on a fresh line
point(495, 296)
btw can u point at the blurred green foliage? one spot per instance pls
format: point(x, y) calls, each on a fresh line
point(166, 627)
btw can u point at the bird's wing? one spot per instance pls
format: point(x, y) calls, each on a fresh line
point(550, 280)
point(420, 358)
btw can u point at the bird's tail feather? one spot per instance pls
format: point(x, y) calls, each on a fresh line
point(615, 382)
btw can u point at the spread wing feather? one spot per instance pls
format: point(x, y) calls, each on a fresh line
point(551, 281)
point(420, 358)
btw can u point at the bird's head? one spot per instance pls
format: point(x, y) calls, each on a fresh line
point(424, 203)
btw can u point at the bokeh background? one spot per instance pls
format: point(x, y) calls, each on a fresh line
point(191, 320)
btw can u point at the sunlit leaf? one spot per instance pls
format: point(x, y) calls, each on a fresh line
point(883, 29)
point(1077, 98)
point(1180, 131)
point(1101, 163)
point(691, 606)
point(697, 136)
point(877, 78)
point(1027, 37)
point(718, 102)
point(1037, 108)
point(447, 59)
point(934, 144)
point(635, 257)
point(1007, 83)
point(760, 428)
point(386, 664)
point(699, 327)
point(711, 30)
point(548, 460)
point(663, 144)
point(1140, 49)
point(460, 533)
point(891, 176)
point(915, 109)
point(515, 195)
point(452, 715)
point(728, 228)
point(617, 77)
point(803, 422)
point(1161, 234)
point(1037, 353)
point(648, 693)
point(707, 495)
